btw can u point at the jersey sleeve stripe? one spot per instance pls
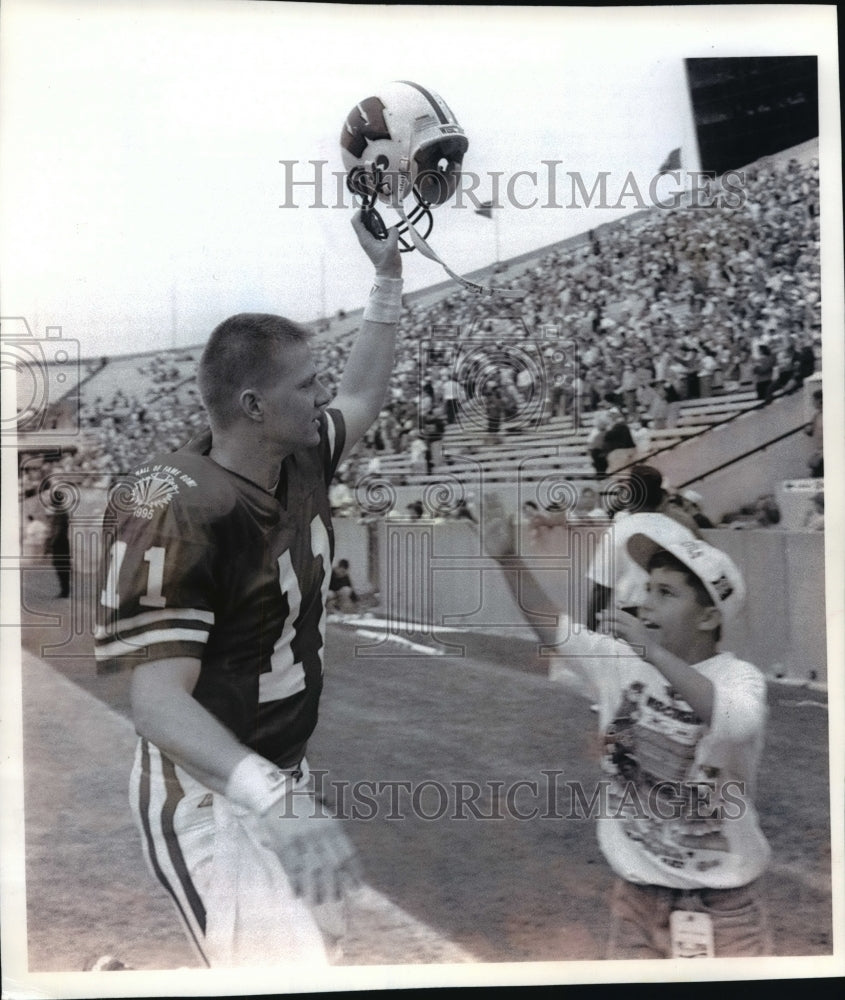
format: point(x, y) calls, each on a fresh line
point(156, 617)
point(193, 637)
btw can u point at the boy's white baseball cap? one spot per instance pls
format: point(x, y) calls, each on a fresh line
point(717, 571)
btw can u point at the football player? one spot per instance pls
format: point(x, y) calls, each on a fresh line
point(218, 562)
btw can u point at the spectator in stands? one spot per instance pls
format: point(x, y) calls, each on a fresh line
point(690, 501)
point(34, 538)
point(58, 537)
point(494, 408)
point(677, 379)
point(526, 384)
point(579, 390)
point(806, 362)
point(561, 388)
point(341, 497)
point(814, 518)
point(341, 589)
point(463, 511)
point(587, 506)
point(641, 435)
point(628, 389)
point(619, 445)
point(707, 367)
point(766, 511)
point(786, 365)
point(692, 362)
point(417, 453)
point(451, 397)
point(388, 427)
point(432, 427)
point(815, 430)
point(657, 406)
point(596, 442)
point(763, 371)
point(763, 513)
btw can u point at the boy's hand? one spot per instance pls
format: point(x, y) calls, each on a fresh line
point(383, 253)
point(538, 521)
point(498, 534)
point(628, 628)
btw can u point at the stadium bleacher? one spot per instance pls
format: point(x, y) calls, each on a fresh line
point(654, 284)
point(555, 445)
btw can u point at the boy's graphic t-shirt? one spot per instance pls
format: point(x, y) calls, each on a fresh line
point(675, 802)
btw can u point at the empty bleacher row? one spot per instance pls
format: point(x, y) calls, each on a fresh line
point(530, 453)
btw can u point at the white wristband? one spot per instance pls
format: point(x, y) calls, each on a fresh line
point(385, 302)
point(257, 784)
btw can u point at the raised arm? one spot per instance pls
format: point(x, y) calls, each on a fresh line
point(498, 537)
point(363, 386)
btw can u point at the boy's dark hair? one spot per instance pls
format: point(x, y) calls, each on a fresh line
point(665, 560)
point(237, 357)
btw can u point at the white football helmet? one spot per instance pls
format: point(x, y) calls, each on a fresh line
point(402, 140)
point(405, 140)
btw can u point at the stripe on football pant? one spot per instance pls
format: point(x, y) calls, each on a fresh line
point(157, 801)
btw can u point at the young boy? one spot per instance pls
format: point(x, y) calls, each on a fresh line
point(683, 728)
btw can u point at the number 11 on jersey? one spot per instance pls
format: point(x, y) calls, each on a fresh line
point(153, 598)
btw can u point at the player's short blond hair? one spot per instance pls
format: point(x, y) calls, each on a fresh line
point(238, 356)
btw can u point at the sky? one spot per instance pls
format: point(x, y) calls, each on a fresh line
point(141, 180)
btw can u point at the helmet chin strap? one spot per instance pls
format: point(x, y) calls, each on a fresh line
point(423, 247)
point(420, 214)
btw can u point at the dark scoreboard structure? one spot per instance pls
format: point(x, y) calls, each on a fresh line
point(748, 107)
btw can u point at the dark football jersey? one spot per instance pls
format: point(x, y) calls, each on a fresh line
point(203, 563)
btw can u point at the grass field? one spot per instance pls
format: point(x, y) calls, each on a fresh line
point(448, 883)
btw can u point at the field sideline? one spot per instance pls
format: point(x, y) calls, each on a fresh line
point(451, 888)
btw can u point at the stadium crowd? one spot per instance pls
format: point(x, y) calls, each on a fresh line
point(663, 306)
